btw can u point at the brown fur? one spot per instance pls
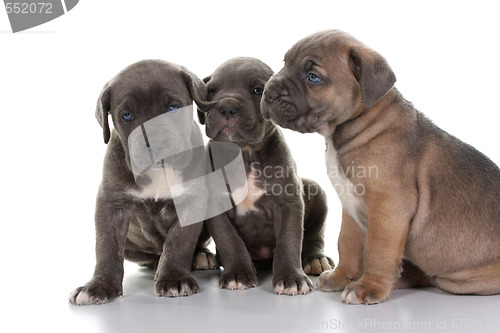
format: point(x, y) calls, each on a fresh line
point(434, 201)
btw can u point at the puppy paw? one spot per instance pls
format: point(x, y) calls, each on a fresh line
point(318, 265)
point(204, 260)
point(333, 280)
point(238, 281)
point(95, 293)
point(365, 292)
point(293, 285)
point(176, 286)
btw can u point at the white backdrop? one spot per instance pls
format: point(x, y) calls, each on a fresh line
point(444, 53)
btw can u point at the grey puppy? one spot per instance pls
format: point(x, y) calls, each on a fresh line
point(281, 220)
point(140, 223)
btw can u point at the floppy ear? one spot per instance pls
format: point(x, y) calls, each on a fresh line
point(373, 74)
point(197, 88)
point(198, 91)
point(201, 114)
point(102, 110)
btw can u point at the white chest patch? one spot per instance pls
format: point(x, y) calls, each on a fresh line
point(254, 194)
point(165, 184)
point(349, 194)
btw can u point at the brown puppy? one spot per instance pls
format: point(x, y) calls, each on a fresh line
point(420, 207)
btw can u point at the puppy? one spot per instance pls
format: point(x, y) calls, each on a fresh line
point(282, 217)
point(135, 215)
point(420, 207)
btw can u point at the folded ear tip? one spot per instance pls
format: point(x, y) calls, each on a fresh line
point(106, 134)
point(201, 117)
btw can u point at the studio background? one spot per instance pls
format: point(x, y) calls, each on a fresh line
point(444, 54)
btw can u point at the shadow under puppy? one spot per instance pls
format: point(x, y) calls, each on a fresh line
point(282, 217)
point(135, 216)
point(428, 213)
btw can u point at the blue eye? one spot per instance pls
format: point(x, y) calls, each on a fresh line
point(127, 116)
point(313, 78)
point(258, 91)
point(173, 107)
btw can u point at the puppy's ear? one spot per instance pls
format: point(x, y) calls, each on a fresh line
point(373, 74)
point(197, 88)
point(201, 114)
point(102, 110)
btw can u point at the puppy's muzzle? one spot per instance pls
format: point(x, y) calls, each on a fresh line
point(276, 101)
point(228, 106)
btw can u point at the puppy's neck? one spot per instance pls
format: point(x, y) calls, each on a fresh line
point(272, 142)
point(252, 147)
point(368, 124)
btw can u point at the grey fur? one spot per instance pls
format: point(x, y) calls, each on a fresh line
point(285, 228)
point(143, 230)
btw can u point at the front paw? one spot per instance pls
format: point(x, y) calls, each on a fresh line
point(318, 265)
point(95, 292)
point(333, 280)
point(238, 280)
point(204, 260)
point(293, 284)
point(175, 286)
point(365, 291)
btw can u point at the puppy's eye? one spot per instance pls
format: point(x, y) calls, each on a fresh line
point(258, 91)
point(313, 78)
point(127, 116)
point(173, 107)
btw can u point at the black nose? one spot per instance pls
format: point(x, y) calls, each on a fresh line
point(228, 111)
point(270, 95)
point(274, 90)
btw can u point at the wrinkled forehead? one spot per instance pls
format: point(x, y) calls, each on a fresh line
point(147, 86)
point(237, 74)
point(324, 48)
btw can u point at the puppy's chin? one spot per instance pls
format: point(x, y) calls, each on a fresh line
point(230, 134)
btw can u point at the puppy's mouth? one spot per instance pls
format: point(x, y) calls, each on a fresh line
point(287, 115)
point(228, 129)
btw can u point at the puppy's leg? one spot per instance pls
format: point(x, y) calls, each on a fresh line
point(481, 280)
point(351, 244)
point(388, 224)
point(412, 277)
point(143, 259)
point(203, 258)
point(289, 278)
point(111, 230)
point(314, 260)
point(239, 272)
point(173, 276)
